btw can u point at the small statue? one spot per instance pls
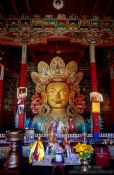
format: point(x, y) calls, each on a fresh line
point(66, 146)
point(52, 146)
point(36, 151)
point(60, 128)
point(21, 95)
point(52, 142)
point(52, 127)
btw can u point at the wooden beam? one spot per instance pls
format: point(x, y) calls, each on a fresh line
point(2, 12)
point(94, 8)
point(82, 7)
point(68, 7)
point(41, 8)
point(107, 8)
point(14, 7)
point(28, 7)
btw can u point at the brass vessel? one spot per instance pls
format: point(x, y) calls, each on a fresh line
point(84, 165)
point(14, 158)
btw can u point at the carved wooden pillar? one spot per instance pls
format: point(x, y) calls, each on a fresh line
point(23, 66)
point(22, 84)
point(95, 114)
point(1, 88)
point(112, 90)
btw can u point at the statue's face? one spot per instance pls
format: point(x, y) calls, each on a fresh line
point(58, 94)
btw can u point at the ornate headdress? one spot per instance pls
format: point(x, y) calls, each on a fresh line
point(57, 71)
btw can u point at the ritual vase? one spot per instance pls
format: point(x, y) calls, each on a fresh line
point(84, 164)
point(13, 158)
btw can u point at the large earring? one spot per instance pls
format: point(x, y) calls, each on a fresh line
point(45, 109)
point(71, 110)
point(71, 97)
point(44, 98)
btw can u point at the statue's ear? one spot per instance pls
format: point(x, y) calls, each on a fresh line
point(44, 97)
point(71, 97)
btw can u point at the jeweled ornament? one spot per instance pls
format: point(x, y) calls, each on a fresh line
point(58, 4)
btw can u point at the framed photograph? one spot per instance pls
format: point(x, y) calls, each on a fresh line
point(21, 92)
point(96, 97)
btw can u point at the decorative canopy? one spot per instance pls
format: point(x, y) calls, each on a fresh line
point(38, 21)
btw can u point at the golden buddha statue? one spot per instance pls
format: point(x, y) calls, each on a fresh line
point(57, 101)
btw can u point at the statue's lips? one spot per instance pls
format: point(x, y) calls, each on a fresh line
point(58, 101)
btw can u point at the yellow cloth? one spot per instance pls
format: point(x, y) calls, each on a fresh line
point(40, 151)
point(95, 106)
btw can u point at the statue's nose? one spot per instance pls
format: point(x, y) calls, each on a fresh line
point(58, 95)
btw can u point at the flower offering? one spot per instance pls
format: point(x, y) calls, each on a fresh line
point(84, 150)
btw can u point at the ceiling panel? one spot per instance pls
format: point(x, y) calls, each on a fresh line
point(18, 8)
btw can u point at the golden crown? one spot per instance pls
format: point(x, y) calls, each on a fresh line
point(56, 71)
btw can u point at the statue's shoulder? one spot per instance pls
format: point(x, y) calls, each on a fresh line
point(79, 118)
point(38, 118)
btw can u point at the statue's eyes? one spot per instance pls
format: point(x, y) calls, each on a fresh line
point(52, 93)
point(64, 92)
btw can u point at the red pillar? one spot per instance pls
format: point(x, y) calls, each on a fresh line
point(1, 88)
point(23, 67)
point(22, 84)
point(95, 115)
point(112, 91)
